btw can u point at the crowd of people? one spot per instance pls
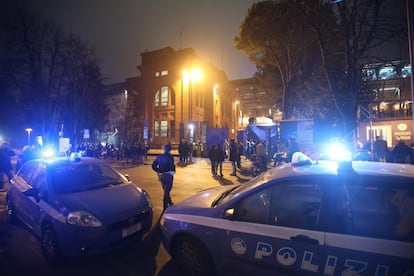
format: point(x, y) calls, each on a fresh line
point(133, 153)
point(379, 151)
point(187, 150)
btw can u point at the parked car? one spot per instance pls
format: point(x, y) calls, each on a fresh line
point(78, 206)
point(320, 218)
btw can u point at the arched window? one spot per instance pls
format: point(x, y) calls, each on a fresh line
point(164, 97)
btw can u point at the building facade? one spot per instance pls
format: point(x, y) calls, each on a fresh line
point(386, 103)
point(177, 96)
point(180, 96)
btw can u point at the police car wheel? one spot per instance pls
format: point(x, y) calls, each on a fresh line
point(192, 257)
point(49, 245)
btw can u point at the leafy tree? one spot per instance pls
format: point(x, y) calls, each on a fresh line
point(275, 36)
point(53, 78)
point(346, 44)
point(316, 49)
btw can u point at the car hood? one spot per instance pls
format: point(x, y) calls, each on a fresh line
point(203, 199)
point(109, 204)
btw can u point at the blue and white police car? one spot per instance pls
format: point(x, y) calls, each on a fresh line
point(311, 219)
point(78, 206)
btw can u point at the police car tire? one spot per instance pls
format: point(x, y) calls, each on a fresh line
point(50, 246)
point(192, 257)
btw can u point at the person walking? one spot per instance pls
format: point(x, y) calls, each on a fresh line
point(182, 150)
point(212, 157)
point(240, 149)
point(219, 157)
point(233, 156)
point(164, 166)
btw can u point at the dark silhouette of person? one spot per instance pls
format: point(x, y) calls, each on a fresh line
point(212, 157)
point(219, 156)
point(400, 152)
point(233, 156)
point(380, 149)
point(182, 150)
point(164, 166)
point(293, 147)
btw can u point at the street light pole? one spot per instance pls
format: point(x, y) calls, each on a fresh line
point(182, 106)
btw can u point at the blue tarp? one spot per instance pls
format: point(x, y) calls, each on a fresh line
point(266, 133)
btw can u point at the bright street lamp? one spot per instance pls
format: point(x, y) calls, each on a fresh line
point(28, 135)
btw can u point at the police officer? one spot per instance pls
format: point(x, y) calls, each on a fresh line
point(165, 168)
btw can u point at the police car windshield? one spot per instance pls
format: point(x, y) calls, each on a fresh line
point(229, 194)
point(76, 177)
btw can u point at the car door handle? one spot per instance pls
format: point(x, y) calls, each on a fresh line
point(304, 239)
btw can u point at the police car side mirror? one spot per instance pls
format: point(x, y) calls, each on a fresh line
point(33, 192)
point(229, 214)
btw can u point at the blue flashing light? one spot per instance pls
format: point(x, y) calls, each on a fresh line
point(47, 153)
point(338, 152)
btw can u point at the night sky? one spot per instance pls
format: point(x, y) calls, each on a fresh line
point(120, 30)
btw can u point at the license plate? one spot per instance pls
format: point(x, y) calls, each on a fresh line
point(131, 230)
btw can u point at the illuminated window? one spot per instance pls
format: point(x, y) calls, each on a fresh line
point(164, 73)
point(164, 129)
point(161, 97)
point(160, 129)
point(164, 96)
point(157, 74)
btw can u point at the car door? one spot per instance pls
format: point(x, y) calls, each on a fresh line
point(35, 202)
point(377, 237)
point(275, 229)
point(21, 183)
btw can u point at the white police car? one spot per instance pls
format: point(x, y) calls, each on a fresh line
point(313, 219)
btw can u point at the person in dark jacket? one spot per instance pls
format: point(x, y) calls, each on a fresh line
point(233, 156)
point(400, 152)
point(182, 150)
point(212, 157)
point(164, 166)
point(380, 149)
point(219, 157)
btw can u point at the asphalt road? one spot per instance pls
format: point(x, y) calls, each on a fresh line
point(20, 251)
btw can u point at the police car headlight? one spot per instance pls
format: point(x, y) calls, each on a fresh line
point(83, 219)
